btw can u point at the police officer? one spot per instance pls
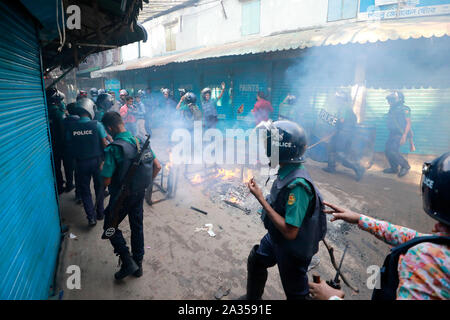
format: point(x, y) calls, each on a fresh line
point(81, 94)
point(417, 266)
point(89, 139)
point(104, 103)
point(399, 125)
point(209, 107)
point(292, 214)
point(94, 94)
point(140, 114)
point(69, 156)
point(150, 104)
point(339, 147)
point(123, 94)
point(188, 110)
point(56, 116)
point(118, 158)
point(116, 105)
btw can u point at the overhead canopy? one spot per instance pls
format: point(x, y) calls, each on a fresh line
point(358, 32)
point(104, 24)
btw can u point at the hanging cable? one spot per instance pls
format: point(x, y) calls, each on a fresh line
point(62, 34)
point(57, 25)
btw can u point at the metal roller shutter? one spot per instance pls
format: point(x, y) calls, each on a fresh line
point(248, 79)
point(29, 219)
point(213, 79)
point(430, 111)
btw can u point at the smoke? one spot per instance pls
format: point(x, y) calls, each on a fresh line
point(418, 67)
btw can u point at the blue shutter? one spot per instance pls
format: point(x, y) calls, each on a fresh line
point(29, 219)
point(248, 79)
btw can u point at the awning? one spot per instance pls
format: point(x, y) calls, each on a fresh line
point(104, 24)
point(358, 32)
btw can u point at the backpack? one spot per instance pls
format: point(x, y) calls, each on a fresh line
point(389, 272)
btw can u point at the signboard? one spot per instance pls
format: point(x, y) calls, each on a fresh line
point(385, 9)
point(385, 2)
point(114, 85)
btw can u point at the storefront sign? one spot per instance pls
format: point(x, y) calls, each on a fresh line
point(381, 10)
point(114, 85)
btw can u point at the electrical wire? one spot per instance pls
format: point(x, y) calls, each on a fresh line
point(62, 34)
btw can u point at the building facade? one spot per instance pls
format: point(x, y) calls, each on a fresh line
point(306, 48)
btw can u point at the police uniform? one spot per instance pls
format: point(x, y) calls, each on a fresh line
point(69, 155)
point(56, 118)
point(396, 123)
point(209, 109)
point(118, 158)
point(339, 148)
point(86, 137)
point(293, 196)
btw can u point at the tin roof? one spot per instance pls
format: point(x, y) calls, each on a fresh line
point(358, 32)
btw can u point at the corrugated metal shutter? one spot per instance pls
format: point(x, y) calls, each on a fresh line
point(29, 219)
point(430, 112)
point(248, 79)
point(213, 79)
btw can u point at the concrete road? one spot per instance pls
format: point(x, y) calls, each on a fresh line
point(181, 263)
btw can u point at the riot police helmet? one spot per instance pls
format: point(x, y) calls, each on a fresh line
point(81, 94)
point(140, 93)
point(105, 101)
point(190, 98)
point(54, 96)
point(288, 137)
point(93, 92)
point(435, 186)
point(291, 99)
point(86, 105)
point(72, 109)
point(205, 91)
point(396, 97)
point(343, 96)
point(101, 91)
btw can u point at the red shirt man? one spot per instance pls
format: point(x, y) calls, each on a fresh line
point(262, 108)
point(126, 111)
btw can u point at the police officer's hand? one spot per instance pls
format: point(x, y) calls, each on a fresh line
point(342, 214)
point(254, 189)
point(403, 140)
point(322, 291)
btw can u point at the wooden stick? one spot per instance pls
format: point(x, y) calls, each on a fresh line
point(333, 262)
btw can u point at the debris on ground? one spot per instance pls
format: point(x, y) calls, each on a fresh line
point(208, 228)
point(223, 291)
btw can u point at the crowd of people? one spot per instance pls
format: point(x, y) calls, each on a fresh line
point(97, 138)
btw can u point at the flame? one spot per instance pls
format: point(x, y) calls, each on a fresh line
point(248, 176)
point(169, 164)
point(225, 174)
point(233, 199)
point(197, 179)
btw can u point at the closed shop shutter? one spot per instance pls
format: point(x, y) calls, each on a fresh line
point(186, 79)
point(430, 111)
point(248, 79)
point(213, 79)
point(29, 219)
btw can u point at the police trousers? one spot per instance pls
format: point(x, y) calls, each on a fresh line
point(292, 269)
point(58, 158)
point(133, 207)
point(392, 152)
point(86, 170)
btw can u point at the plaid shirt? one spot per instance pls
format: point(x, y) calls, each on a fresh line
point(424, 270)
